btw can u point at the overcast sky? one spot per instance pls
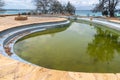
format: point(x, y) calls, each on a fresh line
point(28, 4)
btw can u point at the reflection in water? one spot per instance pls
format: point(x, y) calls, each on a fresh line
point(78, 47)
point(104, 46)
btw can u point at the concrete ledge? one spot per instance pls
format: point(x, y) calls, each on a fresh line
point(109, 24)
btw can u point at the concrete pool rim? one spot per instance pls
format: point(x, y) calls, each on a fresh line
point(41, 29)
point(109, 24)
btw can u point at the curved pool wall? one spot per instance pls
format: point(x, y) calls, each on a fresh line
point(109, 24)
point(57, 48)
point(9, 37)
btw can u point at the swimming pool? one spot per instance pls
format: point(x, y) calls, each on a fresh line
point(79, 47)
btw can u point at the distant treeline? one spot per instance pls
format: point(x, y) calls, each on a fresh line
point(46, 7)
point(54, 7)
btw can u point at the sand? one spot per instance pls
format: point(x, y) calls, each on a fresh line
point(9, 21)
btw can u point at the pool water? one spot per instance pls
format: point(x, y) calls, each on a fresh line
point(79, 47)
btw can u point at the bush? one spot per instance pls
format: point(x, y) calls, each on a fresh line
point(105, 13)
point(24, 13)
point(28, 13)
point(21, 18)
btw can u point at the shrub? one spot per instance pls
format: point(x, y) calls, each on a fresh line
point(21, 18)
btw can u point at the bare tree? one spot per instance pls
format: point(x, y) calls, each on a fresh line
point(1, 4)
point(107, 5)
point(53, 6)
point(56, 7)
point(70, 8)
point(43, 5)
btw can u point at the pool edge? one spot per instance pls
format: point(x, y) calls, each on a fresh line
point(50, 74)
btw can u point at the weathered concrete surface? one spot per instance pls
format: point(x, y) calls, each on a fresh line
point(14, 70)
point(114, 24)
point(9, 22)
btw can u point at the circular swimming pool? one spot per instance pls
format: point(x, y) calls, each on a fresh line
point(80, 47)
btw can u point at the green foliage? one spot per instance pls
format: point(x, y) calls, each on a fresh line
point(109, 5)
point(70, 8)
point(105, 13)
point(43, 6)
point(54, 7)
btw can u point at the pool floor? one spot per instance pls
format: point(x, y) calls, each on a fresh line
point(79, 47)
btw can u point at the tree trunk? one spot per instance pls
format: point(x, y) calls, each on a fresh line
point(112, 14)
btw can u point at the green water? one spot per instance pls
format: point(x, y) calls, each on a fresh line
point(79, 47)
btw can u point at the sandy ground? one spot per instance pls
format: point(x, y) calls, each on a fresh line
point(9, 21)
point(117, 20)
point(112, 19)
point(14, 70)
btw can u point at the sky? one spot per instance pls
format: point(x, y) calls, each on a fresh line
point(28, 4)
